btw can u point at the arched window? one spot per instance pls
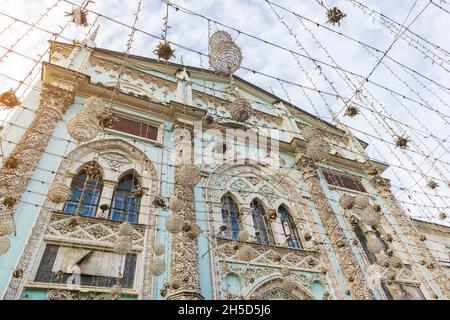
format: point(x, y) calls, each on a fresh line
point(230, 217)
point(289, 228)
point(125, 206)
point(85, 195)
point(261, 224)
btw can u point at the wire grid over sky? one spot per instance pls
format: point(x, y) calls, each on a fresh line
point(391, 59)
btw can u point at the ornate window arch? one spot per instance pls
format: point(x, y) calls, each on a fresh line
point(124, 203)
point(263, 230)
point(86, 192)
point(230, 217)
point(289, 228)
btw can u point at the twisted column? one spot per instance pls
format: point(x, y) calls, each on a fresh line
point(19, 166)
point(406, 226)
point(357, 283)
point(184, 264)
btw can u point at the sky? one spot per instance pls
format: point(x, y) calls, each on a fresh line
point(385, 115)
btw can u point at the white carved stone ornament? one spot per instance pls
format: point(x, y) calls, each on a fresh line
point(395, 262)
point(187, 175)
point(82, 127)
point(243, 235)
point(240, 110)
point(58, 192)
point(383, 260)
point(374, 244)
point(157, 267)
point(7, 225)
point(370, 217)
point(285, 272)
point(246, 252)
point(225, 57)
point(361, 201)
point(194, 231)
point(318, 149)
point(176, 204)
point(346, 201)
point(310, 133)
point(5, 244)
point(125, 229)
point(174, 223)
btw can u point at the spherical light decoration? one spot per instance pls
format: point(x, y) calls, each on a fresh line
point(58, 192)
point(310, 133)
point(78, 16)
point(175, 283)
point(383, 261)
point(7, 225)
point(246, 252)
point(82, 127)
point(442, 216)
point(318, 150)
point(374, 244)
point(285, 272)
point(370, 217)
point(125, 229)
point(335, 15)
point(194, 231)
point(395, 262)
point(391, 275)
point(432, 184)
point(218, 37)
point(176, 204)
point(402, 142)
point(157, 267)
point(164, 50)
point(174, 223)
point(225, 58)
point(351, 111)
point(5, 244)
point(123, 245)
point(243, 235)
point(160, 249)
point(94, 106)
point(9, 99)
point(187, 175)
point(361, 201)
point(240, 110)
point(346, 201)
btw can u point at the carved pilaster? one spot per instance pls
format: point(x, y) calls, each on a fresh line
point(29, 149)
point(438, 275)
point(184, 264)
point(347, 260)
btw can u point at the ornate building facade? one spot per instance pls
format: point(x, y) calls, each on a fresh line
point(173, 198)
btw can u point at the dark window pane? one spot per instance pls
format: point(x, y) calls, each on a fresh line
point(261, 224)
point(343, 181)
point(289, 228)
point(136, 128)
point(125, 206)
point(230, 217)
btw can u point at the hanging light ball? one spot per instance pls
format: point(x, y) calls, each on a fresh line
point(58, 192)
point(422, 237)
point(11, 162)
point(335, 15)
point(78, 16)
point(160, 249)
point(383, 261)
point(395, 262)
point(5, 244)
point(176, 204)
point(370, 217)
point(164, 50)
point(158, 202)
point(402, 142)
point(432, 184)
point(374, 244)
point(194, 231)
point(123, 245)
point(246, 252)
point(351, 111)
point(157, 267)
point(361, 201)
point(318, 149)
point(174, 223)
point(82, 127)
point(225, 58)
point(10, 202)
point(9, 99)
point(240, 110)
point(187, 175)
point(391, 275)
point(176, 283)
point(125, 229)
point(94, 106)
point(219, 37)
point(442, 216)
point(346, 201)
point(7, 225)
point(243, 235)
point(310, 133)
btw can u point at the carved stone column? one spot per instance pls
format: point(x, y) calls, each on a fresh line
point(18, 168)
point(184, 264)
point(357, 283)
point(438, 275)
